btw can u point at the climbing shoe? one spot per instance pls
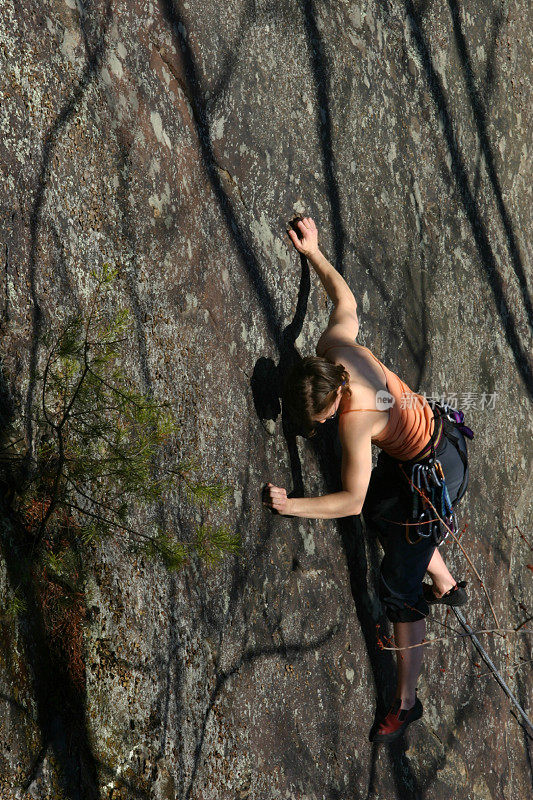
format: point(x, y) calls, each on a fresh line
point(394, 724)
point(456, 596)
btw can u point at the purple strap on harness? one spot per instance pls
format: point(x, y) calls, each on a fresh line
point(459, 419)
point(466, 431)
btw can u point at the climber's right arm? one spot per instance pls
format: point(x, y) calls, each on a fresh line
point(336, 287)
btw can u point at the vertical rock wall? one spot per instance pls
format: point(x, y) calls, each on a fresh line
point(176, 140)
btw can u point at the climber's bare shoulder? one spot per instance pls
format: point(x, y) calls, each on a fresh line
point(342, 329)
point(333, 346)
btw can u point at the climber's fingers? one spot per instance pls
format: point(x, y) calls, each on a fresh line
point(295, 240)
point(307, 242)
point(308, 223)
point(275, 497)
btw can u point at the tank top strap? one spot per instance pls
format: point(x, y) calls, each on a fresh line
point(382, 410)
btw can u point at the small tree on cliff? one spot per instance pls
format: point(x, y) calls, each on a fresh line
point(94, 468)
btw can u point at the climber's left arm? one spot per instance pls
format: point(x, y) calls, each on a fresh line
point(355, 431)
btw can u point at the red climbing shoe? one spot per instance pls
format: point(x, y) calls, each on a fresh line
point(396, 721)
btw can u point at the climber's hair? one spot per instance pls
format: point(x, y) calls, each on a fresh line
point(309, 389)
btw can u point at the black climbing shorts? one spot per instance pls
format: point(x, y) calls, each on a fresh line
point(387, 507)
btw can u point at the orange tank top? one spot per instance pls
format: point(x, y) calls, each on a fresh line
point(411, 419)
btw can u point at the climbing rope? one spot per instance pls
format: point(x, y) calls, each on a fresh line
point(488, 661)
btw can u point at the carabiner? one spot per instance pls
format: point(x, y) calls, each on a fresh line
point(415, 478)
point(446, 506)
point(421, 521)
point(434, 474)
point(423, 471)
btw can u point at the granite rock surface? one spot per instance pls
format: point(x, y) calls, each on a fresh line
point(176, 140)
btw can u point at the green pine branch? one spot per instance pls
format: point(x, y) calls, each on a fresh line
point(99, 445)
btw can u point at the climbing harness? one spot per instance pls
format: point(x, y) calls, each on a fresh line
point(428, 483)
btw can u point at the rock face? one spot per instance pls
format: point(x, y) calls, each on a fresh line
point(176, 140)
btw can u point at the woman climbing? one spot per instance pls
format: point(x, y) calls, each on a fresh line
point(421, 444)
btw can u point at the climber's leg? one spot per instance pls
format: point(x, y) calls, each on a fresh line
point(440, 575)
point(409, 660)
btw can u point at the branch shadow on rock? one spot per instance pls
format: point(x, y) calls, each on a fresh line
point(320, 67)
point(470, 205)
point(480, 116)
point(231, 57)
point(191, 89)
point(95, 57)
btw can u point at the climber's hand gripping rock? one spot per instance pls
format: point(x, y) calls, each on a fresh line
point(306, 240)
point(275, 497)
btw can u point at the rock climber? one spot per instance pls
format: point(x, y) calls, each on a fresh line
point(345, 380)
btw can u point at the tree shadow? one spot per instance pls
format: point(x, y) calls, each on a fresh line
point(95, 56)
point(286, 651)
point(480, 117)
point(417, 343)
point(191, 88)
point(231, 57)
point(173, 665)
point(470, 205)
point(129, 268)
point(521, 691)
point(320, 68)
point(488, 84)
point(67, 286)
point(4, 314)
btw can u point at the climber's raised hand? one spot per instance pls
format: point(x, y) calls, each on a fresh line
point(306, 240)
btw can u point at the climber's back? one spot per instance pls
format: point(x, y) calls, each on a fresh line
point(403, 419)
